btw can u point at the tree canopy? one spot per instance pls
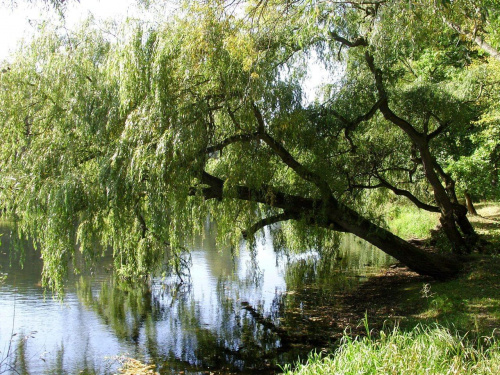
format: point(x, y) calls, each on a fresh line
point(131, 138)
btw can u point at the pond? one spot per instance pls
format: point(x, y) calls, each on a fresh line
point(247, 312)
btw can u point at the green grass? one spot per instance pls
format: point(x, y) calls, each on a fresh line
point(471, 302)
point(447, 327)
point(423, 350)
point(411, 222)
point(487, 223)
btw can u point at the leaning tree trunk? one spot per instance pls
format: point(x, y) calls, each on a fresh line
point(443, 201)
point(421, 141)
point(460, 211)
point(420, 261)
point(336, 216)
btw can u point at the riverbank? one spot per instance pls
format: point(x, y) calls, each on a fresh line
point(468, 303)
point(422, 350)
point(417, 324)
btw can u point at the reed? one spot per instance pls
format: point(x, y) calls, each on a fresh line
point(423, 350)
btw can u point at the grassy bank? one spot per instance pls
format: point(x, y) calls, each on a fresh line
point(447, 327)
point(410, 222)
point(431, 350)
point(469, 303)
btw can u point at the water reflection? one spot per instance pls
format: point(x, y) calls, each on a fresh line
point(242, 313)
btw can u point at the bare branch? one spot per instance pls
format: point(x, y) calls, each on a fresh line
point(267, 221)
point(356, 43)
point(407, 194)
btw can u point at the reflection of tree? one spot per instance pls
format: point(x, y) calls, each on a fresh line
point(308, 310)
point(166, 322)
point(220, 260)
point(230, 338)
point(337, 269)
point(226, 337)
point(124, 307)
point(19, 364)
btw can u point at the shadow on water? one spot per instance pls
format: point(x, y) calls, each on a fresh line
point(247, 314)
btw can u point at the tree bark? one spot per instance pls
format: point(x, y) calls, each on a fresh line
point(420, 261)
point(460, 211)
point(470, 206)
point(451, 214)
point(336, 216)
point(474, 38)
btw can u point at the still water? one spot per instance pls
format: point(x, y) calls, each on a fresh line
point(246, 313)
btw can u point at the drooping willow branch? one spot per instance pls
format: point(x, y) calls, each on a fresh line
point(474, 38)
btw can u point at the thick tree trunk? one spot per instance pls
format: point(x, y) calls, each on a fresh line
point(460, 210)
point(421, 140)
point(442, 199)
point(338, 217)
point(420, 261)
point(470, 206)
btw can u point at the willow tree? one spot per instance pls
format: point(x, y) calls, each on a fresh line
point(133, 142)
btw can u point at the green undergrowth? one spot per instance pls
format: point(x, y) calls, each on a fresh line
point(423, 350)
point(411, 222)
point(470, 302)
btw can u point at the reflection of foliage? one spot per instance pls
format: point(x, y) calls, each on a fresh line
point(123, 306)
point(307, 310)
point(14, 359)
point(226, 337)
point(337, 269)
point(17, 360)
point(2, 275)
point(168, 324)
point(20, 363)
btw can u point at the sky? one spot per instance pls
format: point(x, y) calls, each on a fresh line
point(19, 21)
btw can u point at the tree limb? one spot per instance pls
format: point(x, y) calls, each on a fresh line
point(351, 125)
point(407, 194)
point(289, 160)
point(295, 207)
point(442, 127)
point(230, 140)
point(474, 38)
point(389, 115)
point(356, 43)
point(267, 221)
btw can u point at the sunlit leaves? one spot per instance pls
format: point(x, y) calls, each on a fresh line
point(105, 137)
